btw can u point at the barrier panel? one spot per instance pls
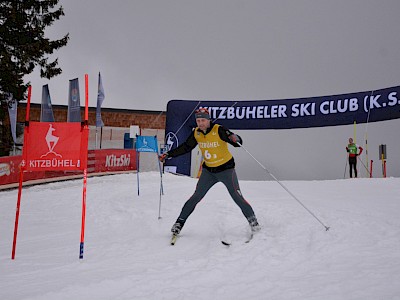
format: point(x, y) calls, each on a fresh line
point(99, 161)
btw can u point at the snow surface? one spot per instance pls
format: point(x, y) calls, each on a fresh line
point(127, 253)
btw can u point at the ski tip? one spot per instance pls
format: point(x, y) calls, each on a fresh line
point(225, 243)
point(173, 239)
point(250, 238)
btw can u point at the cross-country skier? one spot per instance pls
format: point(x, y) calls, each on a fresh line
point(218, 166)
point(352, 149)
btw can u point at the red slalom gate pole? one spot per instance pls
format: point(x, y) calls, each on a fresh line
point(14, 246)
point(21, 176)
point(85, 127)
point(370, 172)
point(384, 168)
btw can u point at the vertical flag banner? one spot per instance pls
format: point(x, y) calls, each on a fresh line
point(46, 110)
point(12, 112)
point(74, 104)
point(100, 99)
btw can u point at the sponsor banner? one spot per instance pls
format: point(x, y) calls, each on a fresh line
point(9, 171)
point(12, 112)
point(55, 146)
point(343, 109)
point(46, 112)
point(74, 102)
point(114, 160)
point(146, 143)
point(100, 99)
point(99, 160)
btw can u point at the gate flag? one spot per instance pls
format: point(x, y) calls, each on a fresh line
point(343, 109)
point(52, 146)
point(74, 104)
point(46, 111)
point(55, 146)
point(100, 99)
point(146, 144)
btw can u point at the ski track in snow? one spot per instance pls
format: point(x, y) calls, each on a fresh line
point(127, 253)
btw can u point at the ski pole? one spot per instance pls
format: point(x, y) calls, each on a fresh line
point(285, 188)
point(364, 165)
point(345, 167)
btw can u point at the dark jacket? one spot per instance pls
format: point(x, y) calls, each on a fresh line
point(191, 143)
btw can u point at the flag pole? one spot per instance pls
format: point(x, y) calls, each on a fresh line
point(161, 178)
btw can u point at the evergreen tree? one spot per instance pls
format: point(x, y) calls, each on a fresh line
point(23, 45)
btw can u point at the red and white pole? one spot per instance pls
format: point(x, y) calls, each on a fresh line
point(84, 152)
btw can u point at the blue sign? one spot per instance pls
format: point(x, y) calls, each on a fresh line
point(146, 143)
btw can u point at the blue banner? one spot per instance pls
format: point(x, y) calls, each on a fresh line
point(343, 109)
point(74, 102)
point(12, 113)
point(100, 99)
point(46, 111)
point(146, 143)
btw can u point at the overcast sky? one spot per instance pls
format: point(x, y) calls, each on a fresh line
point(152, 51)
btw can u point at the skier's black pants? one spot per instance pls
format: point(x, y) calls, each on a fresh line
point(206, 181)
point(353, 164)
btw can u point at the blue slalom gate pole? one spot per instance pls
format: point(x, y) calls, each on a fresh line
point(161, 188)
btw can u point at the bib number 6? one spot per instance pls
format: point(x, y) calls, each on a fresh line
point(207, 155)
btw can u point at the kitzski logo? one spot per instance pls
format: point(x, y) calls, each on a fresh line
point(115, 161)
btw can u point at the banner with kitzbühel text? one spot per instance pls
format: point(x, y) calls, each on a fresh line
point(333, 110)
point(58, 146)
point(74, 103)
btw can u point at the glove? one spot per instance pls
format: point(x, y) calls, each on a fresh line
point(163, 157)
point(234, 138)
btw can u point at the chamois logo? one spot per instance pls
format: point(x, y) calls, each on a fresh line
point(51, 141)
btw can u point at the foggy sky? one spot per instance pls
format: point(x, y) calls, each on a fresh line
point(152, 51)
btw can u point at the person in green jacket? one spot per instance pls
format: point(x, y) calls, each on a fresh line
point(352, 148)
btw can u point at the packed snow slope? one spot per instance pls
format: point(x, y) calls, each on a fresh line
point(127, 254)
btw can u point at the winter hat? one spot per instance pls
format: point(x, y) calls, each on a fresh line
point(202, 113)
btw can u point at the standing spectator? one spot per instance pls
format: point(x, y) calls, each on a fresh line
point(352, 149)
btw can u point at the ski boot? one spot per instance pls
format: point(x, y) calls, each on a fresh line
point(177, 227)
point(254, 224)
